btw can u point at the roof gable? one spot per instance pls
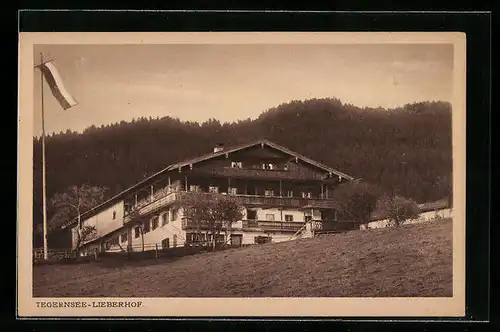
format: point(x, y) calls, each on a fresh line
point(262, 143)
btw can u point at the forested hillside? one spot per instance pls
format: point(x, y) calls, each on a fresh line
point(406, 149)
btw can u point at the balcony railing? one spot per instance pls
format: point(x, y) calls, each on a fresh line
point(247, 200)
point(187, 224)
point(277, 201)
point(154, 205)
point(265, 225)
point(286, 226)
point(268, 174)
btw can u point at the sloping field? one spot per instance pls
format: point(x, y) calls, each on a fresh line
point(414, 260)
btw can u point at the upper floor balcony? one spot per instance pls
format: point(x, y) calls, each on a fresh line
point(166, 198)
point(263, 174)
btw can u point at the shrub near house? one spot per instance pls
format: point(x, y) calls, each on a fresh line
point(399, 209)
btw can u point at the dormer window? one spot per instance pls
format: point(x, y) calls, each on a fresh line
point(236, 164)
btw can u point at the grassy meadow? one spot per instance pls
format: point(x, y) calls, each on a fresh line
point(410, 261)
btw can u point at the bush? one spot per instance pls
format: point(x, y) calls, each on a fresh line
point(399, 209)
point(357, 200)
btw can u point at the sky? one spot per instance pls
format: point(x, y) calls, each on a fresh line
point(196, 82)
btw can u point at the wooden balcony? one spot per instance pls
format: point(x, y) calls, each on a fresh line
point(252, 225)
point(261, 174)
point(152, 206)
point(190, 225)
point(276, 201)
point(168, 198)
point(264, 225)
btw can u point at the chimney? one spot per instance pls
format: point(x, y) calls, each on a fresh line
point(218, 148)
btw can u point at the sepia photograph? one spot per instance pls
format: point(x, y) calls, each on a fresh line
point(263, 171)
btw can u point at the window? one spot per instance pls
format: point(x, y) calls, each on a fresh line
point(175, 241)
point(165, 243)
point(289, 193)
point(236, 164)
point(174, 214)
point(114, 215)
point(127, 207)
point(213, 189)
point(252, 214)
point(112, 242)
point(137, 232)
point(306, 194)
point(154, 223)
point(268, 192)
point(124, 237)
point(288, 217)
point(236, 240)
point(194, 237)
point(233, 191)
point(164, 219)
point(268, 166)
point(270, 217)
point(195, 188)
point(285, 167)
point(146, 227)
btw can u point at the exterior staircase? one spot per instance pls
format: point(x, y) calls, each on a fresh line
point(304, 232)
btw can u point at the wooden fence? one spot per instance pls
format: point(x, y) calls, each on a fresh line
point(62, 255)
point(152, 251)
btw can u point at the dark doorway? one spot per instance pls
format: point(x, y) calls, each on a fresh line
point(252, 214)
point(236, 240)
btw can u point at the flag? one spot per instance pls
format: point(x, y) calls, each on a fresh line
point(56, 85)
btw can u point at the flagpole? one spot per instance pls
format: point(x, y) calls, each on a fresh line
point(44, 195)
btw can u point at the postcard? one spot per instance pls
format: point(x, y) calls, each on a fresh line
point(241, 174)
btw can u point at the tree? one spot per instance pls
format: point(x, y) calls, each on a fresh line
point(215, 212)
point(357, 200)
point(228, 211)
point(399, 209)
point(71, 204)
point(83, 235)
point(197, 209)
